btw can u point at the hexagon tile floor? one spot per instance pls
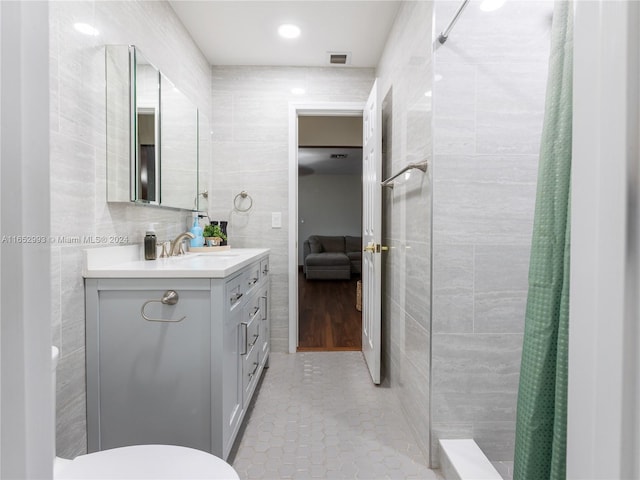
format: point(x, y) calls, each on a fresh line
point(317, 415)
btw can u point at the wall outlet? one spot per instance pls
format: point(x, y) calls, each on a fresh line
point(276, 219)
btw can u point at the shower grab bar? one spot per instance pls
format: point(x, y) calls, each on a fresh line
point(418, 166)
point(445, 33)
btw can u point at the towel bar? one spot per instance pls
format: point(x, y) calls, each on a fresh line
point(418, 166)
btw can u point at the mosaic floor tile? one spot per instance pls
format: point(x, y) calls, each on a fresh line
point(318, 416)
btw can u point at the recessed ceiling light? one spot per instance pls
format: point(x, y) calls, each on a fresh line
point(86, 29)
point(298, 91)
point(437, 77)
point(289, 30)
point(491, 5)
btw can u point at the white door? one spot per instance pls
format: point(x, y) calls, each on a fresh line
point(371, 233)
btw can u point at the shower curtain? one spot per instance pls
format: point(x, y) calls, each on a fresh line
point(541, 425)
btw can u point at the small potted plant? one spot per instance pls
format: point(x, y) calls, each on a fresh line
point(213, 235)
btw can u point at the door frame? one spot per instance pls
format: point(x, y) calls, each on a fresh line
point(298, 109)
point(603, 424)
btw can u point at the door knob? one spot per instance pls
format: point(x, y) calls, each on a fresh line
point(376, 248)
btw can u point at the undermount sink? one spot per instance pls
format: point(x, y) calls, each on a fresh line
point(192, 255)
point(203, 258)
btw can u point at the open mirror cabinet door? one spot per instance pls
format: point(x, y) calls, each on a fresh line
point(152, 135)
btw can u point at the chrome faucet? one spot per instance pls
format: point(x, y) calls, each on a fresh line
point(177, 243)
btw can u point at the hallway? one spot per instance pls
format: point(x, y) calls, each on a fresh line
point(328, 319)
point(319, 416)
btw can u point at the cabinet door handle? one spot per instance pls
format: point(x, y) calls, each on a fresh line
point(266, 307)
point(266, 270)
point(243, 325)
point(170, 297)
point(255, 369)
point(236, 297)
point(255, 339)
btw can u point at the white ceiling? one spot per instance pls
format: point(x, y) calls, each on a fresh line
point(317, 160)
point(245, 32)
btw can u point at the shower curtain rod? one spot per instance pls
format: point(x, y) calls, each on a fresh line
point(445, 33)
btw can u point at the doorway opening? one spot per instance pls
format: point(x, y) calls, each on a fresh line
point(297, 116)
point(329, 232)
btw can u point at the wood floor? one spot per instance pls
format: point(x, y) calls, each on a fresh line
point(327, 315)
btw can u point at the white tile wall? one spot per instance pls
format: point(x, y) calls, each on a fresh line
point(405, 76)
point(250, 123)
point(78, 164)
point(488, 108)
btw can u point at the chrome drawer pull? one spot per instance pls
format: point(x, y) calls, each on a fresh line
point(255, 310)
point(255, 369)
point(266, 299)
point(253, 281)
point(236, 297)
point(244, 336)
point(266, 269)
point(170, 297)
point(255, 339)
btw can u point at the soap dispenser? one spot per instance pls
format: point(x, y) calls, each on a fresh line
point(196, 230)
point(223, 227)
point(150, 250)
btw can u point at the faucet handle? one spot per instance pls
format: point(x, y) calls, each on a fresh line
point(181, 249)
point(164, 253)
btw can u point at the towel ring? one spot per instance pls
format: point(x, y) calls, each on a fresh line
point(241, 195)
point(170, 297)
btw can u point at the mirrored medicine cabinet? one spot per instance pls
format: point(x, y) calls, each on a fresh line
point(152, 135)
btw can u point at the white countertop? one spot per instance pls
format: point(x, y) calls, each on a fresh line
point(125, 262)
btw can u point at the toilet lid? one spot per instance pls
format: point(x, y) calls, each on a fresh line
point(147, 461)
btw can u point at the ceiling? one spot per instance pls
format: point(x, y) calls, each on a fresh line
point(245, 32)
point(317, 160)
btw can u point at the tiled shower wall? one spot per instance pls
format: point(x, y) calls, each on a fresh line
point(490, 79)
point(79, 211)
point(405, 75)
point(250, 126)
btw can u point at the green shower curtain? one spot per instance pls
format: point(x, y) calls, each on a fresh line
point(541, 426)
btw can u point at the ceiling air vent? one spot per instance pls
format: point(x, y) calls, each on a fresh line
point(339, 58)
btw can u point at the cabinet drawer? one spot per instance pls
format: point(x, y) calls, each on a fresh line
point(264, 268)
point(234, 291)
point(252, 277)
point(250, 335)
point(250, 370)
point(253, 308)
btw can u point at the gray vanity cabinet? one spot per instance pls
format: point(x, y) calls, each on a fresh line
point(140, 371)
point(185, 375)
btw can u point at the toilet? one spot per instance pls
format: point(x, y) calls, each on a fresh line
point(141, 461)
